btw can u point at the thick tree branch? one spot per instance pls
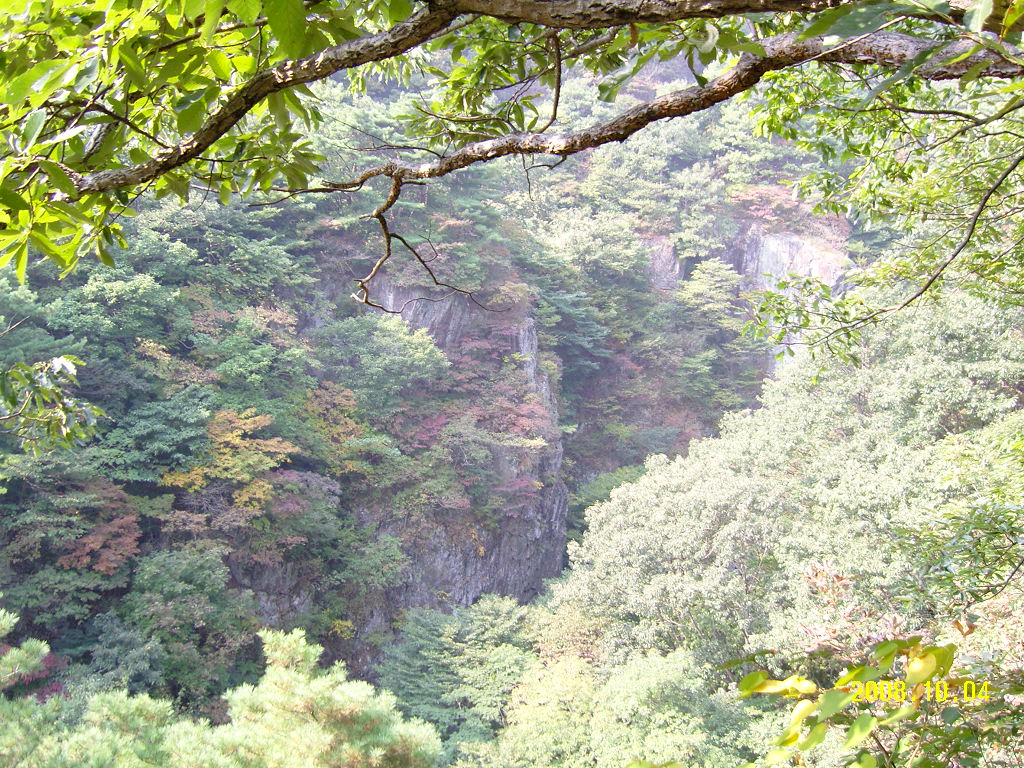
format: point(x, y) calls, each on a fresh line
point(596, 14)
point(887, 49)
point(435, 19)
point(393, 42)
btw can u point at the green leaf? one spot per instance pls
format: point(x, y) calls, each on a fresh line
point(105, 258)
point(885, 650)
point(824, 21)
point(16, 91)
point(224, 192)
point(900, 714)
point(859, 674)
point(72, 214)
point(58, 177)
point(49, 248)
point(904, 72)
point(32, 126)
point(974, 72)
point(192, 8)
point(935, 6)
point(831, 702)
point(132, 65)
point(287, 20)
point(66, 134)
point(1013, 14)
point(814, 737)
point(191, 109)
point(399, 10)
point(950, 715)
point(247, 10)
point(860, 730)
point(279, 109)
point(20, 255)
point(751, 47)
point(944, 659)
point(211, 18)
point(966, 54)
point(862, 19)
point(219, 63)
point(751, 681)
point(977, 15)
point(6, 254)
point(11, 200)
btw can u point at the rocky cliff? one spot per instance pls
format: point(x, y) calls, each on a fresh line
point(764, 255)
point(460, 560)
point(453, 555)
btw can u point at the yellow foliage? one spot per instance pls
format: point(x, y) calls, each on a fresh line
point(330, 409)
point(343, 628)
point(234, 455)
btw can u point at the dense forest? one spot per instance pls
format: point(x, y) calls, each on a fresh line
point(368, 399)
point(291, 456)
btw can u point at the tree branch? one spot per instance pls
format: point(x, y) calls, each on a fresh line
point(392, 42)
point(881, 48)
point(887, 49)
point(597, 14)
point(966, 239)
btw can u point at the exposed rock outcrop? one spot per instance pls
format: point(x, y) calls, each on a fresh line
point(280, 591)
point(453, 554)
point(447, 320)
point(455, 557)
point(765, 256)
point(666, 269)
point(461, 559)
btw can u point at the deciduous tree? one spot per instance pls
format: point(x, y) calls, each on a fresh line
point(103, 101)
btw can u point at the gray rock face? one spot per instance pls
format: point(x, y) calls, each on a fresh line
point(453, 566)
point(665, 270)
point(764, 257)
point(527, 547)
point(446, 321)
point(280, 591)
point(780, 253)
point(456, 558)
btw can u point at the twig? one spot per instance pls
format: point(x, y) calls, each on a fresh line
point(966, 239)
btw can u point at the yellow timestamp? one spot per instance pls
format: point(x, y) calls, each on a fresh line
point(939, 690)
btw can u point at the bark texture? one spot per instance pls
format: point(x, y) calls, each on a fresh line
point(596, 14)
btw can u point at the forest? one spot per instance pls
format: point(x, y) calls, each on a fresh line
point(511, 384)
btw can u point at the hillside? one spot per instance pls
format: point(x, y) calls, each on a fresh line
point(299, 462)
point(511, 384)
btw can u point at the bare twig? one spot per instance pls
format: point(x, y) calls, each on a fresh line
point(557, 95)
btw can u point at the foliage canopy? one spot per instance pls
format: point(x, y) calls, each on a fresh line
point(106, 100)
